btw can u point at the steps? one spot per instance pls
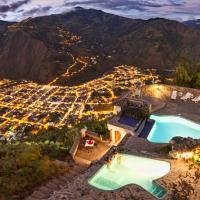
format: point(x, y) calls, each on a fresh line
point(81, 161)
point(147, 128)
point(158, 191)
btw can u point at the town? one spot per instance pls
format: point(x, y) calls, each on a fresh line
point(27, 106)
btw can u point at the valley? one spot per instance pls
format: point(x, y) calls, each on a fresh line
point(30, 107)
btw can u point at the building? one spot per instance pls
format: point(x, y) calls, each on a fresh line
point(130, 113)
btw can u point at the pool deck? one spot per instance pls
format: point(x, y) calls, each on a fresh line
point(78, 188)
point(186, 109)
point(180, 182)
point(180, 178)
point(166, 106)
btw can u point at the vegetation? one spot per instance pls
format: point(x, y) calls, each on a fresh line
point(99, 127)
point(23, 166)
point(188, 74)
point(196, 156)
point(107, 34)
point(53, 142)
point(27, 160)
point(137, 112)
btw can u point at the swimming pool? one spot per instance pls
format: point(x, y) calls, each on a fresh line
point(167, 127)
point(131, 170)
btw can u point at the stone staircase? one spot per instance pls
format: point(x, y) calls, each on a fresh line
point(81, 161)
point(47, 190)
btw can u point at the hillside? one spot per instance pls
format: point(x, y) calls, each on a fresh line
point(81, 45)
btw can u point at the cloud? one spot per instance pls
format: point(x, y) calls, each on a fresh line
point(37, 11)
point(123, 5)
point(12, 6)
point(174, 9)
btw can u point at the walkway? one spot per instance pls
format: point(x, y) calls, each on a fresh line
point(56, 184)
point(77, 187)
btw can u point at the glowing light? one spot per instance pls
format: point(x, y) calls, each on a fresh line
point(28, 101)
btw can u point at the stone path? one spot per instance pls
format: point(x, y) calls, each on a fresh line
point(74, 185)
point(79, 189)
point(56, 184)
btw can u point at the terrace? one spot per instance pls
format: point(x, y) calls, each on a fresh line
point(180, 182)
point(180, 172)
point(160, 98)
point(161, 103)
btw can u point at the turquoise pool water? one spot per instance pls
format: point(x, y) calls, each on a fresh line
point(131, 170)
point(167, 127)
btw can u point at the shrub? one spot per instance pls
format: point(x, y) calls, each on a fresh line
point(99, 127)
point(22, 166)
point(54, 150)
point(188, 74)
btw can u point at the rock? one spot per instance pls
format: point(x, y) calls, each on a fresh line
point(52, 186)
point(46, 190)
point(184, 144)
point(39, 195)
point(30, 198)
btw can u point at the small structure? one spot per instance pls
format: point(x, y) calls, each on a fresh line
point(174, 95)
point(130, 114)
point(119, 105)
point(88, 147)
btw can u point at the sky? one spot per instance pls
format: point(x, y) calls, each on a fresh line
point(181, 10)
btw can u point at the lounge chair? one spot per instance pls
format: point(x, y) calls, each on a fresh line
point(174, 95)
point(196, 99)
point(187, 96)
point(180, 94)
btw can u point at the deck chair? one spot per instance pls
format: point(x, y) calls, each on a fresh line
point(174, 95)
point(187, 96)
point(196, 99)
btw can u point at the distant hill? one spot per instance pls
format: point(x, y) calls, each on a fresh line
point(193, 23)
point(84, 44)
point(4, 25)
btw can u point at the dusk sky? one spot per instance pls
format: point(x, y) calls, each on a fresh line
point(16, 10)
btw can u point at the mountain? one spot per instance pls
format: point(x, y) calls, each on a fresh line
point(193, 23)
point(4, 25)
point(81, 45)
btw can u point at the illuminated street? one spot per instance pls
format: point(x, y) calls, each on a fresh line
point(29, 105)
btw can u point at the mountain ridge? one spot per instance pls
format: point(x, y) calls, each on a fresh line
point(85, 43)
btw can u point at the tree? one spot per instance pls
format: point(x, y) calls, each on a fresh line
point(182, 76)
point(197, 80)
point(22, 166)
point(96, 126)
point(188, 74)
